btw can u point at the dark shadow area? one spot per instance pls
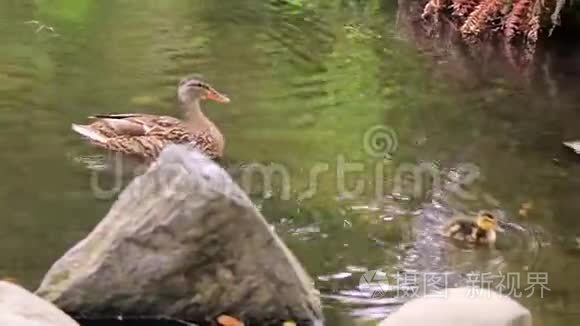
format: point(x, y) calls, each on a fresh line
point(129, 322)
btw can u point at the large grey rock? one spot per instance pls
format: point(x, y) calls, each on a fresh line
point(461, 307)
point(19, 307)
point(182, 241)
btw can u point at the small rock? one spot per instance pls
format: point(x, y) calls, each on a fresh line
point(19, 307)
point(462, 307)
point(574, 145)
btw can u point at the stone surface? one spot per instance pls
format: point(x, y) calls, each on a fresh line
point(182, 241)
point(461, 307)
point(574, 145)
point(19, 307)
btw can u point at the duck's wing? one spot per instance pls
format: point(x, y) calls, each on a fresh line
point(459, 225)
point(131, 124)
point(152, 145)
point(145, 146)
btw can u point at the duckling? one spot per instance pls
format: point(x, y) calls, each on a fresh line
point(481, 230)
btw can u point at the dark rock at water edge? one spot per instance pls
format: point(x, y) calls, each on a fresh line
point(182, 241)
point(133, 322)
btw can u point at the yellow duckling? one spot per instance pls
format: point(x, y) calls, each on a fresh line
point(481, 230)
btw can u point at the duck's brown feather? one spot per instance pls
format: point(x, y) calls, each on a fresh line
point(146, 135)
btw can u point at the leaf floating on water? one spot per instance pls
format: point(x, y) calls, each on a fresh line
point(525, 208)
point(226, 320)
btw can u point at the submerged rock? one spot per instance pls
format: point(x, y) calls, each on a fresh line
point(461, 306)
point(182, 241)
point(19, 307)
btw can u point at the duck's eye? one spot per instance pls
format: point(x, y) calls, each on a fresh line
point(199, 85)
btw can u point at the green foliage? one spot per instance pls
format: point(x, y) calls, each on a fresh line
point(64, 11)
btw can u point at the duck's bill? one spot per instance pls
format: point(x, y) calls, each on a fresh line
point(217, 96)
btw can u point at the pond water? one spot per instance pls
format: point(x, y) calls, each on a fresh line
point(317, 87)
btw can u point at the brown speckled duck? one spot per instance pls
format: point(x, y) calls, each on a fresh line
point(481, 230)
point(146, 134)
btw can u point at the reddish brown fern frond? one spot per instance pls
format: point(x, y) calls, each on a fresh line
point(462, 8)
point(533, 28)
point(432, 8)
point(510, 53)
point(477, 20)
point(516, 19)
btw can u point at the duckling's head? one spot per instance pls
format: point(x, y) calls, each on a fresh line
point(487, 222)
point(192, 89)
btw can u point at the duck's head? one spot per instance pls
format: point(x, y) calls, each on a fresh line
point(192, 89)
point(487, 222)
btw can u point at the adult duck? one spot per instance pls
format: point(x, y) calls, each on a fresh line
point(146, 135)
